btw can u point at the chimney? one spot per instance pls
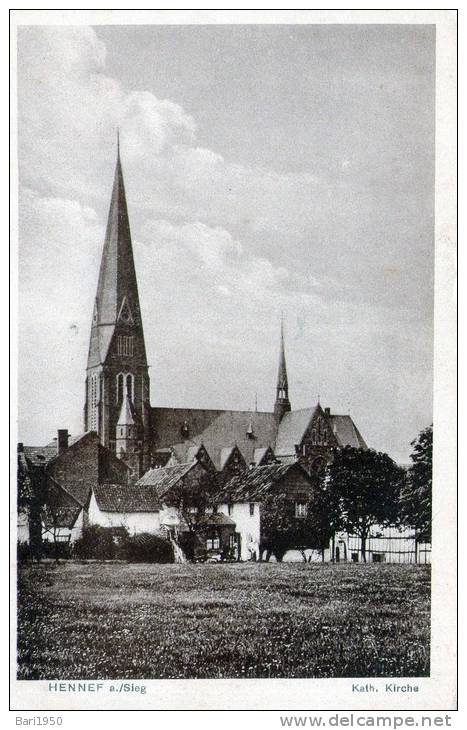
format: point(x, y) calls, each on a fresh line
point(62, 441)
point(327, 412)
point(20, 447)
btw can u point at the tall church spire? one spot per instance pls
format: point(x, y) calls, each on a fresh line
point(117, 354)
point(282, 404)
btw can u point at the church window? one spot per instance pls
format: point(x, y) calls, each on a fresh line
point(325, 437)
point(120, 378)
point(125, 345)
point(313, 436)
point(252, 509)
point(230, 508)
point(130, 386)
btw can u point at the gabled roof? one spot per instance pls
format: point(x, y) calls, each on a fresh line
point(254, 484)
point(164, 478)
point(260, 454)
point(226, 453)
point(346, 432)
point(119, 498)
point(292, 428)
point(215, 429)
point(37, 455)
point(62, 508)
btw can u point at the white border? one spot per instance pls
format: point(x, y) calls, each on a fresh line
point(438, 691)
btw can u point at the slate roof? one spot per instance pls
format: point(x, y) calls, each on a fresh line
point(294, 424)
point(254, 484)
point(120, 498)
point(215, 429)
point(40, 454)
point(164, 478)
point(117, 285)
point(292, 429)
point(346, 432)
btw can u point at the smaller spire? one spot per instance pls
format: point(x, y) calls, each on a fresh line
point(282, 404)
point(126, 417)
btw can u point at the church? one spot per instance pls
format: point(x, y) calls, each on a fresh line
point(117, 394)
point(133, 459)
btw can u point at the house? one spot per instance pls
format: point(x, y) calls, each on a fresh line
point(60, 478)
point(241, 498)
point(133, 507)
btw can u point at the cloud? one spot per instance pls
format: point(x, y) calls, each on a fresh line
point(60, 242)
point(221, 247)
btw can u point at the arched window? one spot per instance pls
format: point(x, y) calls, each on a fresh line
point(130, 386)
point(120, 379)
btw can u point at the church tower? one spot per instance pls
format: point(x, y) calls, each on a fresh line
point(282, 404)
point(117, 367)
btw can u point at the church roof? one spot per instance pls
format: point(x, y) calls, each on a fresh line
point(346, 432)
point(254, 484)
point(126, 498)
point(215, 429)
point(292, 429)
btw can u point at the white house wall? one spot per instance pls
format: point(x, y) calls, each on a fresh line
point(135, 522)
point(248, 526)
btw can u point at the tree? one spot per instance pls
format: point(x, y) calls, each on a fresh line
point(416, 495)
point(323, 517)
point(278, 525)
point(282, 530)
point(367, 485)
point(31, 495)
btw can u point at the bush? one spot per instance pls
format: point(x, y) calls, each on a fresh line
point(101, 543)
point(147, 548)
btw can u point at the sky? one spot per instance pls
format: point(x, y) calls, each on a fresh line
point(268, 169)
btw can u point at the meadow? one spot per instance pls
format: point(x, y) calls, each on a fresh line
point(109, 621)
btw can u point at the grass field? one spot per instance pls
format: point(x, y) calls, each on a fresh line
point(107, 621)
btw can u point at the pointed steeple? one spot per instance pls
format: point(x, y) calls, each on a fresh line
point(282, 404)
point(117, 378)
point(117, 290)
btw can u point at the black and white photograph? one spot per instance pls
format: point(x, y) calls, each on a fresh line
point(226, 251)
